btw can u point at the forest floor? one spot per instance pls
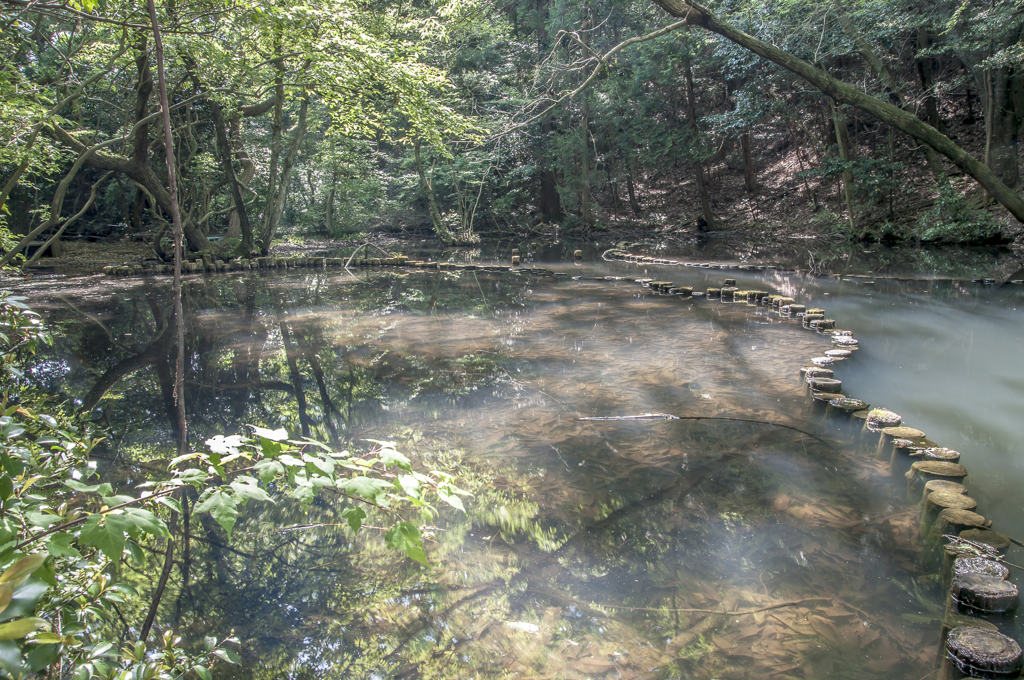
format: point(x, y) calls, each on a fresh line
point(895, 190)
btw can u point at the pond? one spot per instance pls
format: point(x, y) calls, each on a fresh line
point(589, 549)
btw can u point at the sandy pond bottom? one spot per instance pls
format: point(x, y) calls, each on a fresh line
point(591, 549)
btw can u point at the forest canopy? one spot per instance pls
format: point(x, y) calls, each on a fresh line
point(309, 119)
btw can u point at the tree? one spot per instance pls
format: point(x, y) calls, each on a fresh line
point(697, 15)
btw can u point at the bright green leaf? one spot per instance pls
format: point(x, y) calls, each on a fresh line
point(391, 457)
point(223, 507)
point(406, 537)
point(106, 533)
point(354, 516)
point(20, 570)
point(269, 470)
point(60, 545)
point(15, 630)
point(146, 521)
point(249, 491)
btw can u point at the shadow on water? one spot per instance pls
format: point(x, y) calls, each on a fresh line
point(590, 549)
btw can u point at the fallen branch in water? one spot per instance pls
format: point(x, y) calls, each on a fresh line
point(642, 416)
point(666, 416)
point(739, 612)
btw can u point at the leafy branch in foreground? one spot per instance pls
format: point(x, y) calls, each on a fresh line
point(65, 611)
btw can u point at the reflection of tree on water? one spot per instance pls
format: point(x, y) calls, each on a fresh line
point(591, 542)
point(255, 354)
point(606, 597)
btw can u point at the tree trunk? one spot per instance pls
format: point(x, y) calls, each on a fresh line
point(275, 209)
point(844, 153)
point(925, 71)
point(845, 93)
point(224, 151)
point(329, 208)
point(1003, 126)
point(585, 213)
point(143, 89)
point(691, 107)
point(749, 171)
point(293, 371)
point(246, 177)
point(550, 202)
point(276, 132)
point(634, 205)
point(179, 316)
point(435, 215)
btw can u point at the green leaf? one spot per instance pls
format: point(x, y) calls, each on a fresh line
point(13, 466)
point(6, 487)
point(391, 457)
point(41, 519)
point(26, 597)
point(6, 593)
point(228, 655)
point(102, 489)
point(48, 639)
point(135, 551)
point(203, 672)
point(270, 449)
point(146, 521)
point(451, 499)
point(43, 655)
point(269, 470)
point(247, 489)
point(193, 476)
point(171, 503)
point(322, 465)
point(223, 507)
point(20, 570)
point(406, 537)
point(60, 545)
point(292, 461)
point(304, 493)
point(354, 516)
point(111, 501)
point(10, 657)
point(410, 485)
point(15, 630)
point(366, 487)
point(106, 533)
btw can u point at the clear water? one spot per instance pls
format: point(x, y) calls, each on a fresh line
point(591, 549)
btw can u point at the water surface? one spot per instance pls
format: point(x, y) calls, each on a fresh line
point(590, 549)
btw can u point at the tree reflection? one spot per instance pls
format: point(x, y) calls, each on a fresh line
point(587, 550)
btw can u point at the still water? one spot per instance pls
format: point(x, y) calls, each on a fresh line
point(591, 549)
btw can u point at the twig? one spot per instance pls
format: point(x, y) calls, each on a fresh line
point(601, 63)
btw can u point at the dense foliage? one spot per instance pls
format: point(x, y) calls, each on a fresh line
point(328, 117)
point(69, 542)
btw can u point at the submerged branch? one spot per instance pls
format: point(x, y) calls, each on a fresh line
point(667, 416)
point(739, 612)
